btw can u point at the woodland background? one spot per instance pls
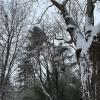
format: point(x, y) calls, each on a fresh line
point(49, 50)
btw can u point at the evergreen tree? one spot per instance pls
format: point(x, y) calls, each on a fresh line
point(57, 81)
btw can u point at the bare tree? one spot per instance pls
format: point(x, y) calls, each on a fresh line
point(13, 15)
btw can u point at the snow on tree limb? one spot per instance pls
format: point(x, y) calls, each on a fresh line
point(96, 30)
point(71, 25)
point(89, 19)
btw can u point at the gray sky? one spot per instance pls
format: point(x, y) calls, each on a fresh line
point(52, 11)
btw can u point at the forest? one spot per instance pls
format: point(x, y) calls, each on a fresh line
point(49, 49)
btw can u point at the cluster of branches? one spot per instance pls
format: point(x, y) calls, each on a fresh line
point(45, 62)
point(13, 15)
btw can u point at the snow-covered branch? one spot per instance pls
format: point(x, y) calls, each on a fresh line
point(89, 19)
point(72, 26)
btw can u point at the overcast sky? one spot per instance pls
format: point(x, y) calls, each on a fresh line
point(43, 4)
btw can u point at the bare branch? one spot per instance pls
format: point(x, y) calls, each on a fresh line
point(44, 13)
point(68, 19)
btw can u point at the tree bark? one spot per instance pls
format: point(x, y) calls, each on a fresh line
point(95, 79)
point(89, 59)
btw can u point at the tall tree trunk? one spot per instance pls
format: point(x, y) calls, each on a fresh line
point(88, 48)
point(95, 79)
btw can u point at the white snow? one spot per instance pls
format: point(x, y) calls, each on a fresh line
point(82, 43)
point(96, 30)
point(67, 17)
point(88, 26)
point(70, 26)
